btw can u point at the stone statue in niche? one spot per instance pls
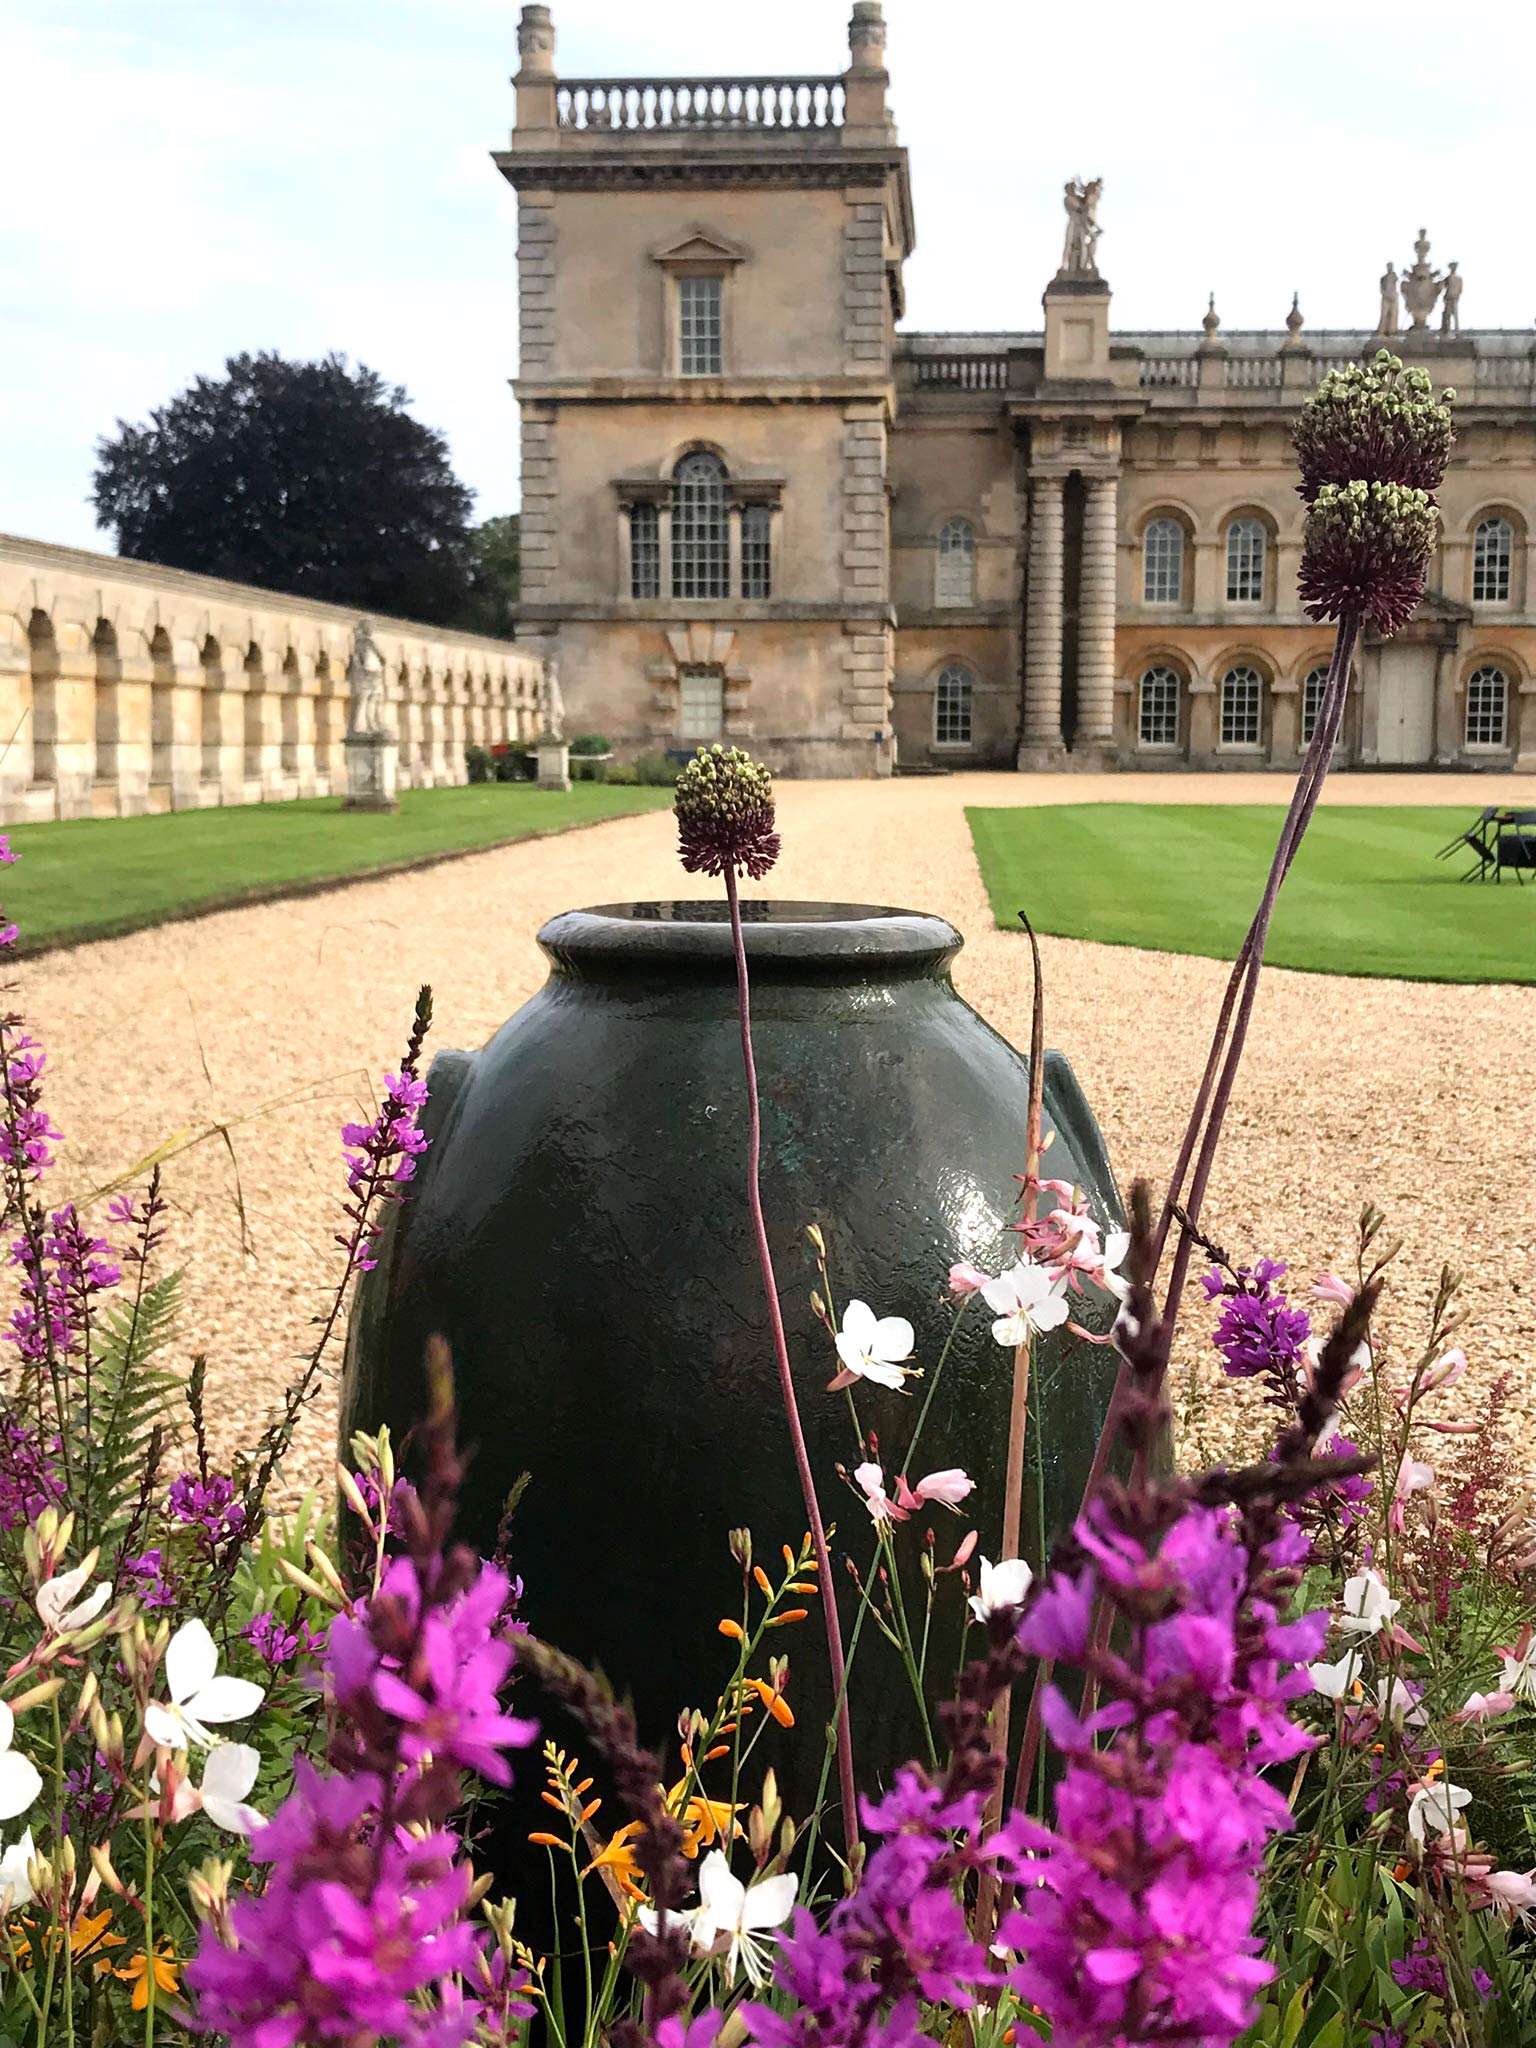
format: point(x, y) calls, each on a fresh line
point(1079, 254)
point(554, 702)
point(365, 680)
point(1421, 284)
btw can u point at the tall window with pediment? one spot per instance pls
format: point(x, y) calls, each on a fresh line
point(955, 567)
point(700, 326)
point(1493, 555)
point(701, 550)
point(1162, 562)
point(1246, 540)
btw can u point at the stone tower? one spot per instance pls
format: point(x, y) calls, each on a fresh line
point(709, 280)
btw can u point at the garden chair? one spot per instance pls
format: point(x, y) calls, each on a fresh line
point(1479, 837)
point(1515, 845)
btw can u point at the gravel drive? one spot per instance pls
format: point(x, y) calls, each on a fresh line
point(270, 1021)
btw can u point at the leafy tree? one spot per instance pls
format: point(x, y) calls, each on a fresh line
point(303, 477)
point(497, 575)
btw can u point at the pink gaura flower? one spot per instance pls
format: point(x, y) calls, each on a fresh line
point(965, 1278)
point(1329, 1287)
point(1413, 1476)
point(870, 1480)
point(1485, 1706)
point(947, 1488)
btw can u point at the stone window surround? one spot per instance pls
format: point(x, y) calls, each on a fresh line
point(1229, 666)
point(1161, 666)
point(1249, 515)
point(1516, 526)
point(699, 253)
point(699, 644)
point(952, 522)
point(740, 491)
point(1170, 515)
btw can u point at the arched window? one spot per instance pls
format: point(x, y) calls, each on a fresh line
point(1493, 554)
point(757, 551)
point(1158, 723)
point(1312, 702)
point(644, 551)
point(952, 698)
point(701, 552)
point(954, 576)
point(1242, 692)
point(1162, 560)
point(1487, 707)
point(1246, 540)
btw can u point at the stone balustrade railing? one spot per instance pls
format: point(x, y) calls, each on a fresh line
point(961, 372)
point(125, 688)
point(1158, 371)
point(632, 104)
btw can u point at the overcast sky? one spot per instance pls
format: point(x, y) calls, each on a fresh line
point(185, 179)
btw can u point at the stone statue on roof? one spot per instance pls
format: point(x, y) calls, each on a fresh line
point(1079, 254)
point(1450, 305)
point(1387, 323)
point(1421, 284)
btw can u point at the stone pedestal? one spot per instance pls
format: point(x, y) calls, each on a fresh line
point(373, 760)
point(554, 765)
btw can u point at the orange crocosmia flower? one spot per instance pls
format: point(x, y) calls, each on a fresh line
point(775, 1702)
point(167, 1975)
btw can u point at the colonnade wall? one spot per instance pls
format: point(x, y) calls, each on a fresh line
point(126, 688)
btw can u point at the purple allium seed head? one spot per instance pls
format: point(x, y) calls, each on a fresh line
point(1367, 551)
point(724, 806)
point(1374, 423)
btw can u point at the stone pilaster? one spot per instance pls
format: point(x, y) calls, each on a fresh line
point(866, 311)
point(1041, 746)
point(1284, 722)
point(1096, 619)
point(536, 352)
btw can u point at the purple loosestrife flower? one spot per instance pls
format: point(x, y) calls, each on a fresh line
point(27, 1132)
point(1260, 1336)
point(153, 1589)
point(63, 1270)
point(29, 1479)
point(381, 1158)
point(277, 1643)
point(725, 815)
point(210, 1505)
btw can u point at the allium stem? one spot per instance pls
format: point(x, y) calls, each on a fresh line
point(1243, 985)
point(786, 1380)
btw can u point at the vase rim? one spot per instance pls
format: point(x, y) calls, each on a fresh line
point(783, 939)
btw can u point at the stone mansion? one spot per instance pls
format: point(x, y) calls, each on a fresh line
point(755, 509)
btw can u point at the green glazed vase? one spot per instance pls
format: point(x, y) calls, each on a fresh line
point(578, 1231)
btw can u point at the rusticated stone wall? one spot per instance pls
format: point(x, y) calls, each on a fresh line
point(127, 688)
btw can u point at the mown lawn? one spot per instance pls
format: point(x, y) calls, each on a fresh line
point(1366, 895)
point(90, 878)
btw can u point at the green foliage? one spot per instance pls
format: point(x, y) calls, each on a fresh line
point(478, 763)
point(495, 577)
point(646, 771)
point(131, 1398)
point(591, 743)
point(310, 478)
point(1366, 895)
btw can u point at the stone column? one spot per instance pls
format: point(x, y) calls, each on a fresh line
point(1041, 746)
point(1096, 619)
point(70, 734)
point(1448, 728)
point(1284, 722)
point(1202, 721)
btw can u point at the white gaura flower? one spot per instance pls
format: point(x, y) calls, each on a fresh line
point(872, 1347)
point(733, 1919)
point(1368, 1606)
point(1336, 1681)
point(1024, 1299)
point(1517, 1667)
point(1109, 1275)
point(1000, 1585)
point(1436, 1806)
point(20, 1780)
point(228, 1775)
point(58, 1608)
point(198, 1693)
point(15, 1885)
point(1395, 1701)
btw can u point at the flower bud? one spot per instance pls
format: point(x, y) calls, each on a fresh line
point(740, 1541)
point(813, 1232)
point(101, 1863)
point(725, 817)
point(1366, 553)
point(1374, 423)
